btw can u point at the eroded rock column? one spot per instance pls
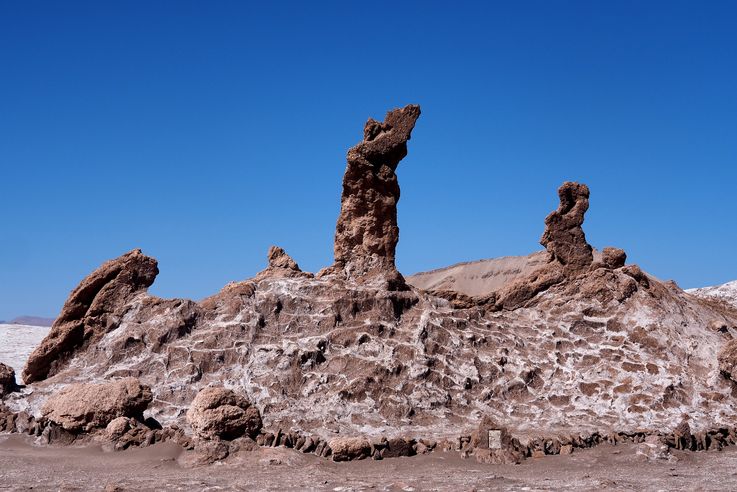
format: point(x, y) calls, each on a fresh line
point(564, 237)
point(366, 234)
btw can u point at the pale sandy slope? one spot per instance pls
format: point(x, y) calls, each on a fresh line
point(478, 278)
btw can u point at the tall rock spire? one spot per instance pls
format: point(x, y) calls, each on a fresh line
point(366, 233)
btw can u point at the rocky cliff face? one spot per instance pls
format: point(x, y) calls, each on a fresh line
point(576, 343)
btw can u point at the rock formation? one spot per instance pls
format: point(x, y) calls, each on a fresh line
point(366, 233)
point(92, 309)
point(574, 348)
point(350, 448)
point(727, 358)
point(84, 407)
point(7, 380)
point(281, 265)
point(613, 258)
point(218, 412)
point(564, 237)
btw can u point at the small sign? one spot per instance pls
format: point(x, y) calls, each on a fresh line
point(495, 439)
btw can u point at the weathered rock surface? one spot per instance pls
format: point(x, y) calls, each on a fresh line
point(492, 443)
point(367, 233)
point(343, 355)
point(221, 413)
point(93, 309)
point(84, 407)
point(7, 380)
point(728, 360)
point(350, 448)
point(564, 237)
point(281, 265)
point(613, 258)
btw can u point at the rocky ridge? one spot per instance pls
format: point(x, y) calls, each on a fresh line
point(575, 350)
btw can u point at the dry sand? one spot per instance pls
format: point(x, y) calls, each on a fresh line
point(24, 466)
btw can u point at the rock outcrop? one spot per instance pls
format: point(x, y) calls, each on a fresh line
point(564, 237)
point(352, 352)
point(281, 265)
point(92, 309)
point(7, 380)
point(86, 407)
point(367, 233)
point(613, 258)
point(350, 448)
point(221, 413)
point(727, 359)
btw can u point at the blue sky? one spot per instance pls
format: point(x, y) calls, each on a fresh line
point(203, 132)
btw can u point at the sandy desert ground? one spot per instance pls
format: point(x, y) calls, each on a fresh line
point(24, 466)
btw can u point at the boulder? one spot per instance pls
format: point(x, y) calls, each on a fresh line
point(564, 237)
point(7, 380)
point(350, 448)
point(613, 258)
point(91, 311)
point(86, 407)
point(366, 233)
point(221, 413)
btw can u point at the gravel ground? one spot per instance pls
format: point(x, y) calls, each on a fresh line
point(24, 466)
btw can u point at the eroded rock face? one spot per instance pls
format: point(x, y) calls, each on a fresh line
point(727, 359)
point(564, 237)
point(85, 407)
point(366, 234)
point(7, 380)
point(91, 310)
point(221, 413)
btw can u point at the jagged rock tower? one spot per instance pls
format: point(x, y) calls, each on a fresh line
point(564, 237)
point(366, 233)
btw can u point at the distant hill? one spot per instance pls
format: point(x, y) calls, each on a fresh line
point(726, 292)
point(30, 321)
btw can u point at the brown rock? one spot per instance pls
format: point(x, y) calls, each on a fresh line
point(520, 292)
point(366, 233)
point(90, 311)
point(564, 237)
point(613, 258)
point(492, 443)
point(350, 448)
point(7, 380)
point(281, 265)
point(727, 359)
point(84, 407)
point(221, 413)
point(399, 446)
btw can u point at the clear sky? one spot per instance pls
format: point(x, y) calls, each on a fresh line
point(203, 132)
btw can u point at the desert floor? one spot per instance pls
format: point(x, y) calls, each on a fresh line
point(24, 466)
